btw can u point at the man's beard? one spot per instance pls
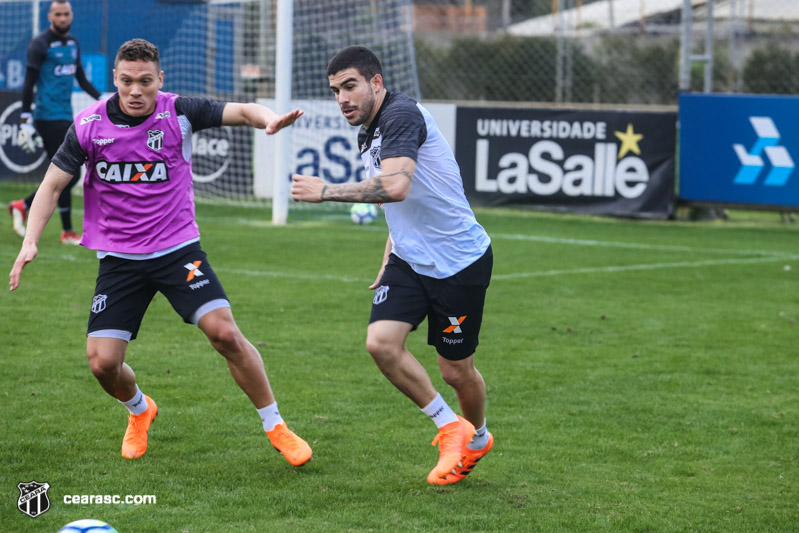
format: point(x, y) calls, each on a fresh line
point(60, 31)
point(367, 109)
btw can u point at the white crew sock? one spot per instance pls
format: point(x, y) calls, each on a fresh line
point(136, 405)
point(439, 412)
point(270, 416)
point(480, 438)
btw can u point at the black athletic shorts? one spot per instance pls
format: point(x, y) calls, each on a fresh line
point(453, 306)
point(126, 287)
point(52, 133)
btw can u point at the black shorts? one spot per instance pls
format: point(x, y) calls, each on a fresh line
point(52, 133)
point(453, 306)
point(126, 287)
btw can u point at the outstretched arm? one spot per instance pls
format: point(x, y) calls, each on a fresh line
point(257, 116)
point(391, 185)
point(55, 181)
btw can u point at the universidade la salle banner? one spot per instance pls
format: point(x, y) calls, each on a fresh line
point(602, 162)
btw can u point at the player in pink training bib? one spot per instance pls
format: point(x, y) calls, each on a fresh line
point(139, 216)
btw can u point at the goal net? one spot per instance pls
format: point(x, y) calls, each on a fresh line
point(225, 49)
point(322, 143)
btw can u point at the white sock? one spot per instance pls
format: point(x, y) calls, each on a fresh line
point(270, 416)
point(439, 412)
point(480, 438)
point(136, 405)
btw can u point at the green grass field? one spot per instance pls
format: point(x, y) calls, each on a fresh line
point(642, 376)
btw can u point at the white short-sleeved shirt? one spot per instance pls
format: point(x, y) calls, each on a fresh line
point(434, 229)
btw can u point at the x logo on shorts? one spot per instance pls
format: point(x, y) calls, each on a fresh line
point(456, 324)
point(194, 270)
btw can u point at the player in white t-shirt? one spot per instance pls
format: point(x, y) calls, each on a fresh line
point(437, 262)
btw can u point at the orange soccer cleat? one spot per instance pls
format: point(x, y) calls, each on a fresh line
point(70, 237)
point(468, 462)
point(452, 440)
point(135, 442)
point(294, 449)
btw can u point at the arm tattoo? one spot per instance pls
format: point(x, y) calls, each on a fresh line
point(368, 191)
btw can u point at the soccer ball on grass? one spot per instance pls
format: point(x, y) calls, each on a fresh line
point(87, 525)
point(363, 213)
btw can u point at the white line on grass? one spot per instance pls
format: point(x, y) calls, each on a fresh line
point(291, 275)
point(633, 245)
point(645, 266)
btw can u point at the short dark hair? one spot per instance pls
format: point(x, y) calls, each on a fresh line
point(138, 50)
point(358, 57)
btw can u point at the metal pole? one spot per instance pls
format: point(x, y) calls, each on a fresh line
point(709, 48)
point(686, 46)
point(505, 14)
point(735, 53)
point(611, 18)
point(285, 23)
point(264, 15)
point(569, 51)
point(559, 55)
point(641, 17)
point(35, 21)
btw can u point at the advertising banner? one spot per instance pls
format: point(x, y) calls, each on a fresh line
point(602, 162)
point(739, 149)
point(16, 163)
point(325, 145)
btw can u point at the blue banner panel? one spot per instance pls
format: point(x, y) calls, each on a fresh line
point(739, 149)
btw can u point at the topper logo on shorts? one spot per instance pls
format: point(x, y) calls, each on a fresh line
point(456, 324)
point(132, 171)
